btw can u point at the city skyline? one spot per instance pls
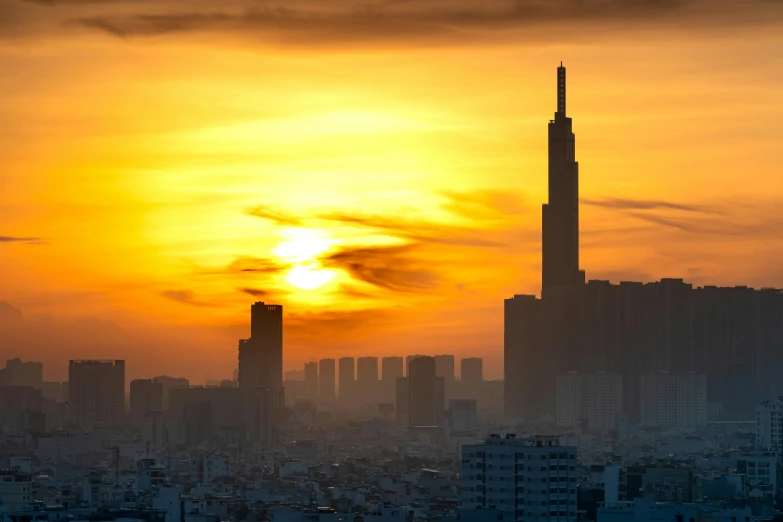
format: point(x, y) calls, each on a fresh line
point(172, 193)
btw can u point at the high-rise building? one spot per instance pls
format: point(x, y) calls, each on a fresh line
point(96, 392)
point(560, 215)
point(391, 370)
point(168, 383)
point(146, 398)
point(311, 380)
point(426, 393)
point(525, 479)
point(596, 399)
point(326, 381)
point(18, 373)
point(367, 383)
point(261, 369)
point(670, 401)
point(462, 414)
point(409, 359)
point(347, 367)
point(472, 369)
point(444, 367)
point(769, 425)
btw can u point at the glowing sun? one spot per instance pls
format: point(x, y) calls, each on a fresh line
point(302, 249)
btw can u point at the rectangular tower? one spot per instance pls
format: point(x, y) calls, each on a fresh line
point(347, 367)
point(560, 215)
point(96, 392)
point(326, 381)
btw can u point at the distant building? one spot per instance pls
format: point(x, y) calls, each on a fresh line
point(146, 397)
point(311, 380)
point(18, 373)
point(367, 383)
point(391, 370)
point(646, 510)
point(409, 359)
point(347, 376)
point(596, 399)
point(326, 380)
point(96, 392)
point(205, 409)
point(462, 414)
point(444, 367)
point(472, 369)
point(168, 383)
point(769, 425)
point(673, 400)
point(421, 396)
point(524, 479)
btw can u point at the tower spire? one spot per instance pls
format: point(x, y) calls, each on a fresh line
point(561, 89)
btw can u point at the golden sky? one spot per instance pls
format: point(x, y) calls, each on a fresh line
point(377, 168)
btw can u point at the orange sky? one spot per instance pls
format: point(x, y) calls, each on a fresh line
point(165, 164)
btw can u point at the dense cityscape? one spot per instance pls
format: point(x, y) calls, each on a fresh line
point(620, 402)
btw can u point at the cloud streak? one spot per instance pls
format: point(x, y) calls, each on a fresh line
point(647, 204)
point(455, 21)
point(24, 240)
point(185, 297)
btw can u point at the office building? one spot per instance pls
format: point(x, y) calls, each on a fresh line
point(146, 398)
point(96, 392)
point(472, 369)
point(730, 335)
point(595, 401)
point(444, 367)
point(673, 400)
point(769, 425)
point(392, 368)
point(311, 380)
point(261, 370)
point(347, 368)
point(326, 381)
point(524, 479)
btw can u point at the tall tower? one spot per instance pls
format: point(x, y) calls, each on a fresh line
point(560, 216)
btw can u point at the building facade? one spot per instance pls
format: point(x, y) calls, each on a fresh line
point(96, 392)
point(596, 400)
point(673, 400)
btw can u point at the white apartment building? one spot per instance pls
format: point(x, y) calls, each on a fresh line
point(526, 479)
point(769, 425)
point(669, 401)
point(595, 398)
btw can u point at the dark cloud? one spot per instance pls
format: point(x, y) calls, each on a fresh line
point(255, 292)
point(253, 265)
point(455, 21)
point(647, 204)
point(184, 296)
point(337, 323)
point(401, 268)
point(25, 240)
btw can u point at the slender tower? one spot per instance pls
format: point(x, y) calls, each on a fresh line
point(560, 216)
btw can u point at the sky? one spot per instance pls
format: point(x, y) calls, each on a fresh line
point(377, 167)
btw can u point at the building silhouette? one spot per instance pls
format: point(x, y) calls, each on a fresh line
point(18, 373)
point(311, 380)
point(471, 369)
point(146, 398)
point(347, 376)
point(732, 336)
point(421, 395)
point(391, 370)
point(326, 381)
point(367, 383)
point(444, 366)
point(96, 393)
point(261, 370)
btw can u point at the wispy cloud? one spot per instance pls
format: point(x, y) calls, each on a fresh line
point(648, 204)
point(255, 292)
point(184, 297)
point(24, 240)
point(275, 215)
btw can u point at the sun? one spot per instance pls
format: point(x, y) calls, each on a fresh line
point(309, 276)
point(302, 248)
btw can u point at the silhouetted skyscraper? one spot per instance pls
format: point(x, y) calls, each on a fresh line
point(472, 369)
point(367, 383)
point(409, 359)
point(347, 366)
point(326, 380)
point(96, 392)
point(444, 366)
point(392, 369)
point(146, 397)
point(18, 373)
point(261, 369)
point(560, 216)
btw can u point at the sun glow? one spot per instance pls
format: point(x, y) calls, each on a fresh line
point(302, 248)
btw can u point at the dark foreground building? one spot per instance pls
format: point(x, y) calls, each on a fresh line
point(734, 336)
